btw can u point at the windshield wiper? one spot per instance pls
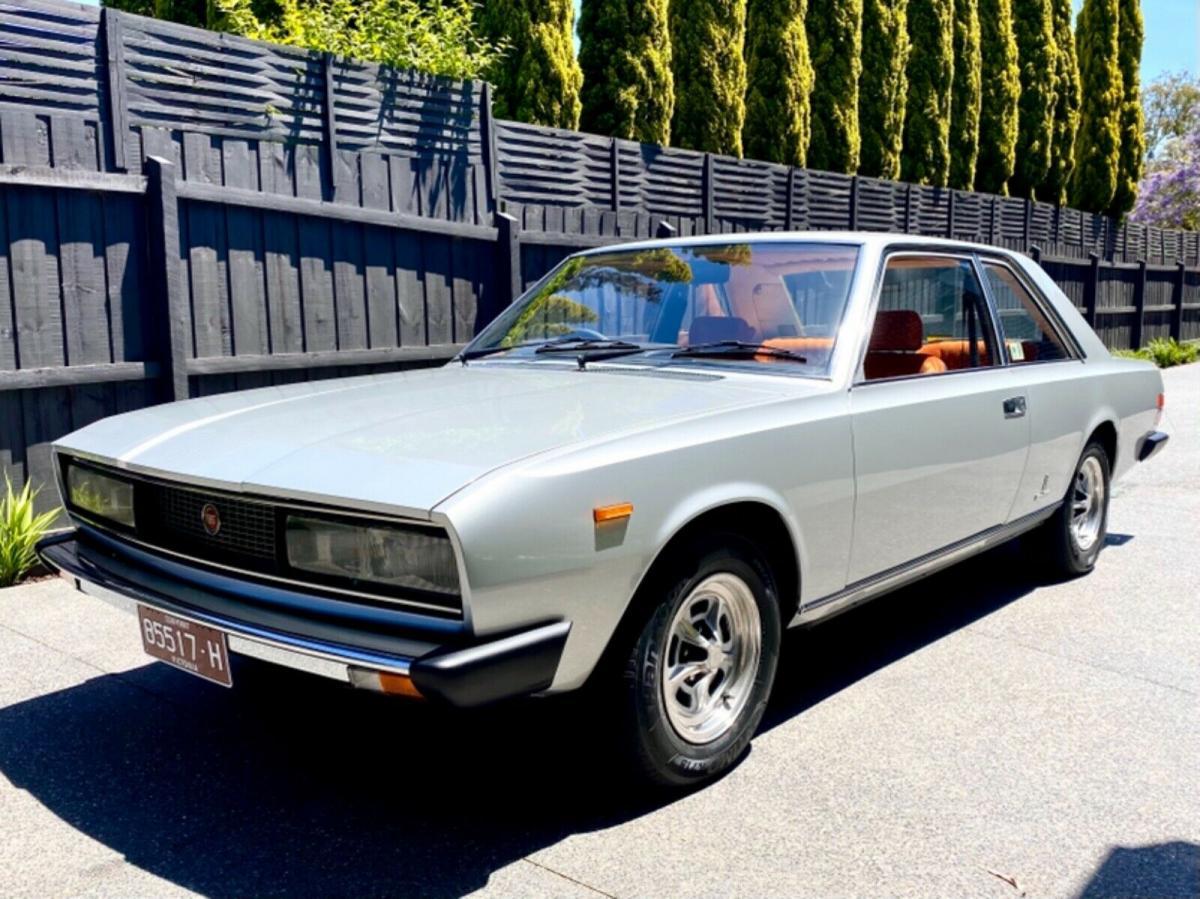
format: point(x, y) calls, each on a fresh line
point(576, 344)
point(739, 349)
point(588, 347)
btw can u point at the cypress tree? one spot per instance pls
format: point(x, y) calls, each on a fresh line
point(1034, 28)
point(779, 79)
point(1130, 34)
point(1097, 144)
point(1001, 82)
point(625, 54)
point(835, 43)
point(538, 79)
point(1066, 107)
point(926, 156)
point(966, 95)
point(883, 87)
point(710, 74)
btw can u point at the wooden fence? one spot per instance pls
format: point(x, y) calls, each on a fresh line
point(184, 212)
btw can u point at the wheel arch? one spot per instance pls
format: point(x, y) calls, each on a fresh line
point(760, 517)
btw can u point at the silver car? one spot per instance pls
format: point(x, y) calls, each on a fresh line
point(659, 457)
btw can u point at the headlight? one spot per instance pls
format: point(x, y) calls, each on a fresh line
point(378, 553)
point(103, 496)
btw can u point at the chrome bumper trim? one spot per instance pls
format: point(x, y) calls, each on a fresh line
point(298, 653)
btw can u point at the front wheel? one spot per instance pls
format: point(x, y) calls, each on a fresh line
point(1074, 535)
point(697, 674)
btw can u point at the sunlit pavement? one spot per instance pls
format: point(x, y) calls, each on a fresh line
point(980, 734)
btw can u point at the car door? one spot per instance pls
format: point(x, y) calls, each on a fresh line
point(939, 424)
point(1061, 397)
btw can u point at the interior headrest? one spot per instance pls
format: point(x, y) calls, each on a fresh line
point(711, 328)
point(897, 330)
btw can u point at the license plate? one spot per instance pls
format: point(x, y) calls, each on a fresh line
point(197, 649)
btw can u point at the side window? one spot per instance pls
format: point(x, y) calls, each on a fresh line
point(931, 319)
point(1028, 334)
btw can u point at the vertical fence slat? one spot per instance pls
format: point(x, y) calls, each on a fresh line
point(164, 262)
point(118, 110)
point(1091, 294)
point(1180, 294)
point(1139, 305)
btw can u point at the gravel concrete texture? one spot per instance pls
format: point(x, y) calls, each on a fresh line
point(981, 734)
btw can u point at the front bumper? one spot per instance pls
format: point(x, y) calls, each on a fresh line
point(454, 668)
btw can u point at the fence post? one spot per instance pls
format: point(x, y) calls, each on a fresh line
point(1180, 293)
point(908, 208)
point(1035, 253)
point(508, 247)
point(329, 123)
point(707, 188)
point(1139, 305)
point(118, 109)
point(1091, 291)
point(487, 125)
point(950, 213)
point(1028, 221)
point(854, 202)
point(614, 163)
point(162, 222)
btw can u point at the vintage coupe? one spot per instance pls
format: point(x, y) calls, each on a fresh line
point(631, 481)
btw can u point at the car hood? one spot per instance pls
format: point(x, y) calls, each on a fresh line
point(410, 439)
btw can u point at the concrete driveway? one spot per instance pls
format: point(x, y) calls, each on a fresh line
point(981, 734)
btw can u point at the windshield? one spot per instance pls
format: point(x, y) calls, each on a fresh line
point(767, 303)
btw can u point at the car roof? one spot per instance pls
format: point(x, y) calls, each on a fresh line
point(878, 239)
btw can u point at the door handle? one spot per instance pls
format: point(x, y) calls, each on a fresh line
point(1014, 407)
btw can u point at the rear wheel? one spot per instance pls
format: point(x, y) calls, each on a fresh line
point(1074, 536)
point(698, 665)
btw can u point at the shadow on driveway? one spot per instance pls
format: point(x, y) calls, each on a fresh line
point(293, 785)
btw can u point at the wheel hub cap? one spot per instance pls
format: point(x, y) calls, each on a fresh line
point(711, 658)
point(1087, 504)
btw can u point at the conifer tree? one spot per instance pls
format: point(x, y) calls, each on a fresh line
point(1097, 143)
point(835, 44)
point(926, 156)
point(779, 80)
point(538, 79)
point(883, 86)
point(1066, 108)
point(707, 38)
point(1001, 91)
point(1033, 26)
point(966, 95)
point(1130, 35)
point(625, 54)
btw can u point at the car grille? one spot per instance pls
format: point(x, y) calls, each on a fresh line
point(170, 517)
point(174, 514)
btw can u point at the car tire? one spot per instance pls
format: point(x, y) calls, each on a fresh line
point(1074, 536)
point(686, 733)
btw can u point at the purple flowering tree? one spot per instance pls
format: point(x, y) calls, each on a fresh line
point(1169, 195)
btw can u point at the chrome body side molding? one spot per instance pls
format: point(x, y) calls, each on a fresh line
point(902, 575)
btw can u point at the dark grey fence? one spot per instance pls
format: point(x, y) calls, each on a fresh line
point(183, 212)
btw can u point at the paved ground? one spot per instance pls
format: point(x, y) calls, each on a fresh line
point(980, 735)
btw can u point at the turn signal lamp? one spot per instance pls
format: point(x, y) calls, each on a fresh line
point(616, 512)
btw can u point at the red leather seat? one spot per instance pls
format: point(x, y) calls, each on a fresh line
point(894, 350)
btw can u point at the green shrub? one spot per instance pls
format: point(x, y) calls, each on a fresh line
point(1098, 142)
point(966, 95)
point(20, 530)
point(1001, 77)
point(437, 37)
point(1132, 153)
point(1037, 54)
point(779, 80)
point(883, 87)
point(1164, 352)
